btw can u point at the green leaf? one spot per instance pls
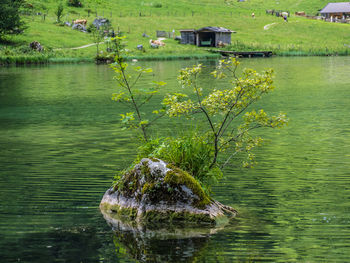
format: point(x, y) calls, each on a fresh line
point(159, 83)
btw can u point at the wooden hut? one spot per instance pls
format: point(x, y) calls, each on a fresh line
point(212, 36)
point(188, 36)
point(206, 36)
point(336, 10)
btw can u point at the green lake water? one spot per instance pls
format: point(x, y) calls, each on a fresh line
point(61, 143)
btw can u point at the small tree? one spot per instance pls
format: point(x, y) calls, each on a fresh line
point(59, 12)
point(97, 37)
point(98, 34)
point(222, 107)
point(10, 20)
point(224, 135)
point(132, 96)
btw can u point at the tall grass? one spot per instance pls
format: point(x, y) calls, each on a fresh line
point(23, 59)
point(71, 60)
point(190, 152)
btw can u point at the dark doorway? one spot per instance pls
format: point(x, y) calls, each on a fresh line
point(206, 39)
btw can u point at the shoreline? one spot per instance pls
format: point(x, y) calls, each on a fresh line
point(42, 60)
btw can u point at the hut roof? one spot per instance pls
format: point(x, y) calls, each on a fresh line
point(215, 29)
point(187, 30)
point(343, 7)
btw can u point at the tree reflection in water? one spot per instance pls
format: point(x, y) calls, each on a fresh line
point(159, 243)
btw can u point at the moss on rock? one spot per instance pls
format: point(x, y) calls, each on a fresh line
point(147, 188)
point(177, 177)
point(155, 191)
point(126, 212)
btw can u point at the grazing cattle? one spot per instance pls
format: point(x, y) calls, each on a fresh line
point(80, 21)
point(300, 13)
point(221, 44)
point(157, 43)
point(153, 45)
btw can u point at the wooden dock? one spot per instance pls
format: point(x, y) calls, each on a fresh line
point(245, 54)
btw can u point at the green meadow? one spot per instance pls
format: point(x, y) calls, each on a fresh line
point(298, 36)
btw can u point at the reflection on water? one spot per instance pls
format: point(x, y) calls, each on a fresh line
point(161, 243)
point(60, 145)
point(148, 249)
point(57, 245)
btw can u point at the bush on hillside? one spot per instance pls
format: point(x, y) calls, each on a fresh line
point(158, 5)
point(75, 3)
point(10, 19)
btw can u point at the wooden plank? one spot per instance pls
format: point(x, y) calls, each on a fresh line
point(244, 53)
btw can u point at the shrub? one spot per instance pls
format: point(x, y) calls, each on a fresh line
point(75, 3)
point(158, 5)
point(11, 22)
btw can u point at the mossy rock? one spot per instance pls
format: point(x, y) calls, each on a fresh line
point(156, 192)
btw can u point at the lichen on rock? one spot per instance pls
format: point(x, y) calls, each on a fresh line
point(154, 191)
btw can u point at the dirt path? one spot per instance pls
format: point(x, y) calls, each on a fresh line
point(85, 46)
point(267, 27)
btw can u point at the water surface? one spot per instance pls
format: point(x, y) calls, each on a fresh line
point(61, 143)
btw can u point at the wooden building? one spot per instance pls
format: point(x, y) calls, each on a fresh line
point(336, 10)
point(207, 36)
point(188, 36)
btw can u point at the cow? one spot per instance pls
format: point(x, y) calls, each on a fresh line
point(157, 43)
point(300, 13)
point(221, 44)
point(80, 21)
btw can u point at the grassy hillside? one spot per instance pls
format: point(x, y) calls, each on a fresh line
point(299, 36)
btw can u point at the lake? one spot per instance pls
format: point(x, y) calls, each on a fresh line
point(61, 144)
